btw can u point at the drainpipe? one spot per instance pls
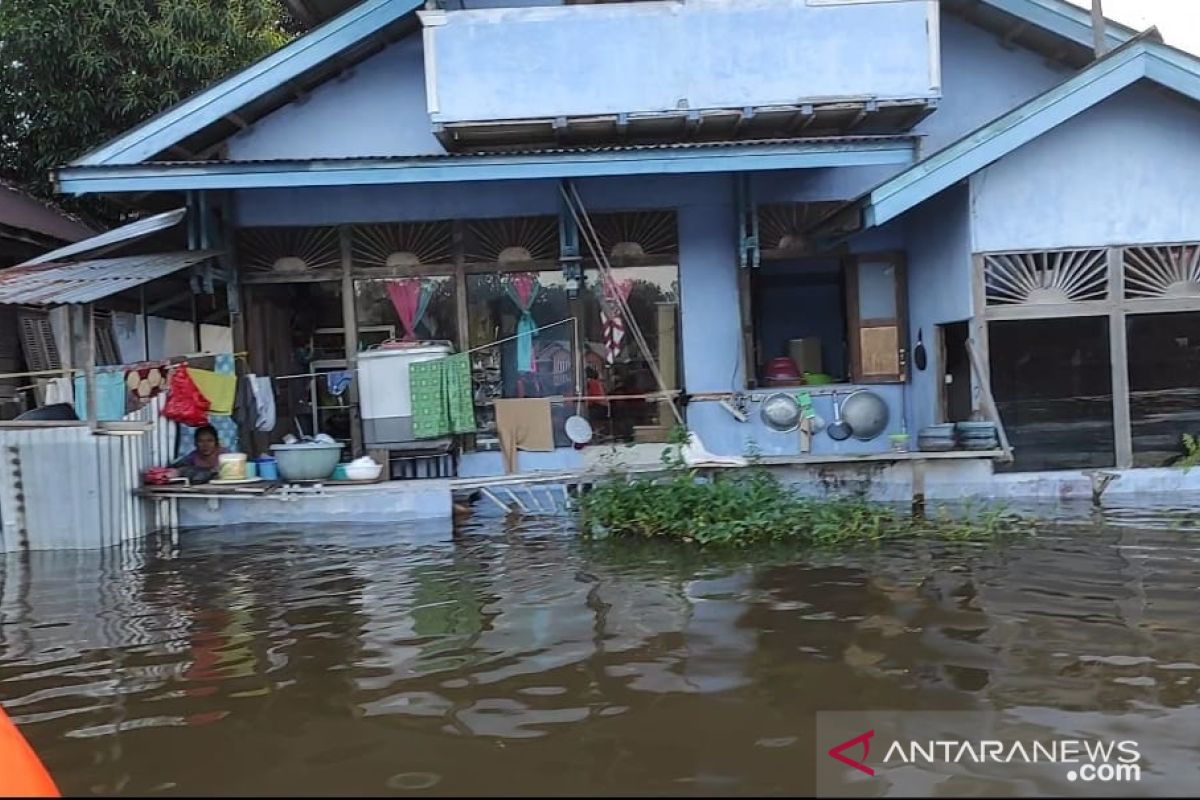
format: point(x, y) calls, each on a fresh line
point(1099, 28)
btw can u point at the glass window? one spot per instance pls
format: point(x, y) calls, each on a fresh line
point(422, 307)
point(616, 368)
point(521, 333)
point(1164, 384)
point(1052, 382)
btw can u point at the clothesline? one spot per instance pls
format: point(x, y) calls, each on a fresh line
point(468, 352)
point(64, 371)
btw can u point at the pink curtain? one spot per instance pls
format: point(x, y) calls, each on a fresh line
point(405, 295)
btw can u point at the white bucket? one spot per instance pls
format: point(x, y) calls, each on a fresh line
point(232, 466)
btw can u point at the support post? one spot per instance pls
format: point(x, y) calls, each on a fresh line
point(145, 322)
point(1099, 41)
point(1119, 361)
point(83, 356)
point(350, 333)
point(979, 333)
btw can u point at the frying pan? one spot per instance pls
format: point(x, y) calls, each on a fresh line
point(838, 430)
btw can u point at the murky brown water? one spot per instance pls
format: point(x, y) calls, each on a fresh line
point(523, 661)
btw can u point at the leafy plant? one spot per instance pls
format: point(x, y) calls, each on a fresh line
point(1191, 452)
point(753, 508)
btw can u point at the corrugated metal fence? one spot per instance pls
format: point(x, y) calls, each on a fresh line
point(65, 488)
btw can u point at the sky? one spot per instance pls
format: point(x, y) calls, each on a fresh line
point(1179, 20)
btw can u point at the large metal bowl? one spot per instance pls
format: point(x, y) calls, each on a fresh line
point(866, 413)
point(306, 462)
point(781, 413)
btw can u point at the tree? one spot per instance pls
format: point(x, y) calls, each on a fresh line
point(75, 73)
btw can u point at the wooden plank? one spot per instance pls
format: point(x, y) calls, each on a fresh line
point(979, 329)
point(1119, 360)
point(988, 402)
point(1090, 308)
point(940, 411)
point(746, 314)
point(350, 335)
point(312, 276)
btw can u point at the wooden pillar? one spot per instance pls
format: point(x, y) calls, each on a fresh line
point(458, 254)
point(350, 335)
point(979, 334)
point(1119, 360)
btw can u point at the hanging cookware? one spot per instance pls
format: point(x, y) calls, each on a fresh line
point(839, 431)
point(780, 412)
point(866, 413)
point(920, 357)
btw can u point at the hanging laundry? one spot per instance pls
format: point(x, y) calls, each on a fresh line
point(264, 399)
point(410, 298)
point(245, 407)
point(110, 396)
point(59, 391)
point(218, 387)
point(523, 425)
point(225, 381)
point(441, 396)
point(146, 382)
point(337, 382)
point(523, 288)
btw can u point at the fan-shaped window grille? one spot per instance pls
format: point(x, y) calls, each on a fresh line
point(783, 227)
point(1159, 272)
point(632, 235)
point(512, 240)
point(1046, 278)
point(403, 244)
point(289, 249)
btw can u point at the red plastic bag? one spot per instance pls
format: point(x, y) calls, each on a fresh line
point(184, 403)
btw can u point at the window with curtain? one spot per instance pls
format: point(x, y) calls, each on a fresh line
point(415, 307)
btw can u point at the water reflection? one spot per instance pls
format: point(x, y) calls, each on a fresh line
point(520, 660)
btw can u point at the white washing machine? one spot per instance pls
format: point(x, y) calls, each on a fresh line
point(385, 398)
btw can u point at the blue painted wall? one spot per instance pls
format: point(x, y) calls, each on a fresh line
point(939, 287)
point(982, 78)
point(1123, 172)
point(663, 56)
point(378, 109)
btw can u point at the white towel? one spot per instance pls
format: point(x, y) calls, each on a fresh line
point(694, 455)
point(264, 401)
point(60, 390)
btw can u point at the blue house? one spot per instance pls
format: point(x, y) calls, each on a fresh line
point(957, 206)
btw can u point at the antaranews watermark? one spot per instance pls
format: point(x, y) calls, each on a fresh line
point(980, 754)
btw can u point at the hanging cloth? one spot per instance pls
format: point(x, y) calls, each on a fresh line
point(410, 298)
point(522, 288)
point(611, 319)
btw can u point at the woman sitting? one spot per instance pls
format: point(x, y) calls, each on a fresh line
point(207, 454)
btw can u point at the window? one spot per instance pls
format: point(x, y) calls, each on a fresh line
point(838, 320)
point(1164, 384)
point(618, 373)
point(1052, 381)
point(419, 307)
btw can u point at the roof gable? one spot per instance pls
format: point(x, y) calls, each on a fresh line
point(1140, 59)
point(316, 52)
point(219, 111)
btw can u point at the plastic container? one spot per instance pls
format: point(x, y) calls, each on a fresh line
point(309, 461)
point(268, 469)
point(339, 473)
point(251, 469)
point(363, 472)
point(232, 466)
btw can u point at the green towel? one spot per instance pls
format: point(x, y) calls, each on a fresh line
point(441, 397)
point(456, 381)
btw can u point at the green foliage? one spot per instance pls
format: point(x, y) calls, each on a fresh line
point(75, 73)
point(753, 508)
point(1191, 452)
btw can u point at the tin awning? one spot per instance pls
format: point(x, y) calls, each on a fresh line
point(113, 238)
point(89, 281)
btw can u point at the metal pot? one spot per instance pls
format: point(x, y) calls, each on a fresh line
point(780, 412)
point(866, 413)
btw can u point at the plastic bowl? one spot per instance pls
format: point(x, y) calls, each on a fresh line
point(363, 472)
point(306, 462)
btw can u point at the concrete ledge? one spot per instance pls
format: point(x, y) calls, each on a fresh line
point(383, 503)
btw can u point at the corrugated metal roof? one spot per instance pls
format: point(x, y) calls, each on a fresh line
point(122, 235)
point(89, 281)
point(548, 151)
point(25, 212)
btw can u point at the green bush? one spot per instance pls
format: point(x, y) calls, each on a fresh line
point(753, 508)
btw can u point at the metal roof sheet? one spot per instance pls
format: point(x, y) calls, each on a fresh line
point(126, 233)
point(89, 281)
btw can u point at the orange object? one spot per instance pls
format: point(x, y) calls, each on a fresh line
point(21, 771)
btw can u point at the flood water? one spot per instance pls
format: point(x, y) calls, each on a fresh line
point(520, 660)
